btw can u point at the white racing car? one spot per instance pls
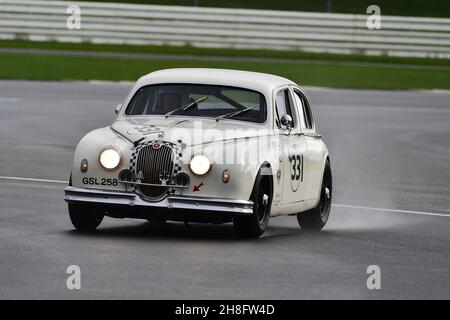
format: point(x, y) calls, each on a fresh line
point(205, 145)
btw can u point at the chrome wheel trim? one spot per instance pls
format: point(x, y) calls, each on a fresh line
point(325, 202)
point(262, 205)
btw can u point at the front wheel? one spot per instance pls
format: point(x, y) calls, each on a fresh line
point(315, 219)
point(84, 217)
point(254, 226)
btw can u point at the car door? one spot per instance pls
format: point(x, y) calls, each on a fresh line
point(314, 146)
point(293, 148)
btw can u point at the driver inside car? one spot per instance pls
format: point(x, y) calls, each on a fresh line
point(169, 102)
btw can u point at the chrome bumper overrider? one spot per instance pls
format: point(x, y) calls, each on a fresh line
point(169, 203)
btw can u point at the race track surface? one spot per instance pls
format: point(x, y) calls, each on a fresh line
point(391, 164)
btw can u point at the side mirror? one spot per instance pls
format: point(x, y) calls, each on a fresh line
point(117, 109)
point(286, 121)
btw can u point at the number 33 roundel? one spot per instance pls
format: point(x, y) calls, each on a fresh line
point(296, 161)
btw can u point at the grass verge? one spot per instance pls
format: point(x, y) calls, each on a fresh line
point(329, 74)
point(187, 50)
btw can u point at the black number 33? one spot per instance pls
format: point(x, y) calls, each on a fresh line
point(296, 161)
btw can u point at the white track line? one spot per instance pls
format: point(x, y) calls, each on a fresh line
point(393, 210)
point(33, 179)
point(334, 204)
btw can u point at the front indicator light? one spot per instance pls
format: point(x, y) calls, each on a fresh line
point(226, 176)
point(84, 165)
point(200, 165)
point(110, 159)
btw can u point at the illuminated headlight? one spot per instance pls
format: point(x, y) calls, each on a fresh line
point(110, 159)
point(200, 165)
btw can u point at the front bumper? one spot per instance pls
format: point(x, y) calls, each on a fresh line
point(172, 207)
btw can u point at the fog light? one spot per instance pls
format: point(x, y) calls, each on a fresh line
point(126, 175)
point(182, 179)
point(84, 165)
point(226, 176)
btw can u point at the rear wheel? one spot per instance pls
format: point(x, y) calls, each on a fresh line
point(254, 226)
point(84, 217)
point(315, 219)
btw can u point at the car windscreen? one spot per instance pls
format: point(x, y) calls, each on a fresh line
point(199, 101)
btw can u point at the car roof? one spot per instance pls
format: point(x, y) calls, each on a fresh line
point(261, 82)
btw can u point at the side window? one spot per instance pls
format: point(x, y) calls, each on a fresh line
point(283, 105)
point(307, 115)
point(300, 108)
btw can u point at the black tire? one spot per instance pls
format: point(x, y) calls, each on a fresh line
point(315, 219)
point(253, 226)
point(84, 217)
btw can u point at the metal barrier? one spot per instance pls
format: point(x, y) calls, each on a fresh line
point(43, 20)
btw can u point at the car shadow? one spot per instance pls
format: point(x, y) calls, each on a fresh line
point(191, 231)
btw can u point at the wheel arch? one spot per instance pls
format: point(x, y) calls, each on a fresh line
point(328, 172)
point(326, 159)
point(264, 173)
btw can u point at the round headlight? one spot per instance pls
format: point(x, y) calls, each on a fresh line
point(200, 165)
point(109, 159)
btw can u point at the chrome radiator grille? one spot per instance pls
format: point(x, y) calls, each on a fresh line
point(154, 165)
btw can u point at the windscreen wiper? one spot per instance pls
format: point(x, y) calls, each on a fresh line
point(234, 113)
point(186, 107)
